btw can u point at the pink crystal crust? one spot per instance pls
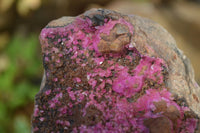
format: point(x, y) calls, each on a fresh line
point(125, 93)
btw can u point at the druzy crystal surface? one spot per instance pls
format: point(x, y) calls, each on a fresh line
point(98, 81)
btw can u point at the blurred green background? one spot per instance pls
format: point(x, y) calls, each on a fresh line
point(20, 55)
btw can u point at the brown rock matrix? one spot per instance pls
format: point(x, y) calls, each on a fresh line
point(109, 72)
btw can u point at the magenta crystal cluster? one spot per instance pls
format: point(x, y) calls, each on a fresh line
point(104, 86)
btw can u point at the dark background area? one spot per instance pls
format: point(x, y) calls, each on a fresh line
point(20, 55)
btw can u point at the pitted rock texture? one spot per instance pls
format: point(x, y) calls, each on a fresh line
point(108, 72)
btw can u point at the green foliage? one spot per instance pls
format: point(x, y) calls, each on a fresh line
point(21, 125)
point(19, 82)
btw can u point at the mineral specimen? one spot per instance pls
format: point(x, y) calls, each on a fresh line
point(108, 72)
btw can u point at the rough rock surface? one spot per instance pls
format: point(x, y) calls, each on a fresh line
point(108, 72)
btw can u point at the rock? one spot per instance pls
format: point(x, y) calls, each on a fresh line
point(181, 20)
point(108, 72)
